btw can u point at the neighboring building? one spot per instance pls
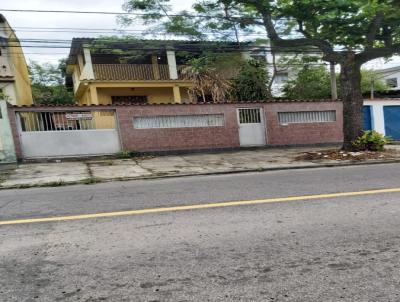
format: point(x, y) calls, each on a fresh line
point(391, 76)
point(153, 74)
point(383, 116)
point(14, 76)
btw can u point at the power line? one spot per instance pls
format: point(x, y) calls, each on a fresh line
point(188, 49)
point(124, 13)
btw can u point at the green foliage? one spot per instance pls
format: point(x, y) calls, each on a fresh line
point(47, 82)
point(2, 95)
point(370, 141)
point(251, 82)
point(312, 82)
point(210, 76)
point(125, 154)
point(368, 77)
point(341, 22)
point(220, 21)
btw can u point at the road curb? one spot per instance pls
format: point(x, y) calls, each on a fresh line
point(152, 177)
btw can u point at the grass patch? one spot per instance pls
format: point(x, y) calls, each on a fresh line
point(125, 154)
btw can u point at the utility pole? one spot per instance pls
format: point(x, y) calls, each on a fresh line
point(334, 93)
point(372, 88)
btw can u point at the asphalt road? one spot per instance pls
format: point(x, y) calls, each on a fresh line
point(325, 249)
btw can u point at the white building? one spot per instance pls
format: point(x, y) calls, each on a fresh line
point(391, 76)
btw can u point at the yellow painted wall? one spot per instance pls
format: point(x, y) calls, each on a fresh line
point(20, 69)
point(163, 95)
point(85, 98)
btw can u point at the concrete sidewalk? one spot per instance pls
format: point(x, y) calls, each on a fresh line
point(92, 171)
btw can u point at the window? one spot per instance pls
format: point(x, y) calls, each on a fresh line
point(281, 78)
point(306, 117)
point(392, 82)
point(249, 116)
point(179, 121)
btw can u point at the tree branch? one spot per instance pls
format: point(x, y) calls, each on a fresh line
point(325, 47)
point(373, 29)
point(375, 53)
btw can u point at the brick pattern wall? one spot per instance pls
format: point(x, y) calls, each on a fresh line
point(210, 137)
point(306, 133)
point(178, 138)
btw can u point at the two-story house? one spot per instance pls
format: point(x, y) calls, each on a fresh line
point(14, 76)
point(130, 72)
point(15, 85)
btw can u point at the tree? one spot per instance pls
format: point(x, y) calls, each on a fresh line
point(347, 32)
point(251, 82)
point(313, 82)
point(370, 80)
point(48, 84)
point(208, 81)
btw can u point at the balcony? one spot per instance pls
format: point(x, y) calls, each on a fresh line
point(138, 72)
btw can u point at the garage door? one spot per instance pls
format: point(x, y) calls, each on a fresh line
point(392, 121)
point(68, 133)
point(367, 118)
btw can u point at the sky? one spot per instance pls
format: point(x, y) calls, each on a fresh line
point(22, 21)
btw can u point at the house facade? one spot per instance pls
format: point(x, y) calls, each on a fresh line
point(14, 76)
point(15, 88)
point(391, 76)
point(150, 73)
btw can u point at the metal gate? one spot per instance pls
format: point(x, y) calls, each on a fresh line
point(251, 127)
point(67, 133)
point(392, 121)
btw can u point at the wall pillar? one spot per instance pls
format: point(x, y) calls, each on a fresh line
point(177, 95)
point(378, 118)
point(173, 70)
point(7, 147)
point(94, 99)
point(87, 72)
point(156, 68)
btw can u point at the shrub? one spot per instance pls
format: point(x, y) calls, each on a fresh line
point(371, 141)
point(251, 82)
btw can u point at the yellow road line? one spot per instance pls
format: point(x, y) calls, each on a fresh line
point(198, 206)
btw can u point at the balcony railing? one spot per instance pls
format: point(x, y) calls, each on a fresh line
point(145, 72)
point(126, 72)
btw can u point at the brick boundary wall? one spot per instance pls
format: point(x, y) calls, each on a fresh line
point(225, 137)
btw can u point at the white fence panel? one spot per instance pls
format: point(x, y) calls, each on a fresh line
point(69, 143)
point(68, 133)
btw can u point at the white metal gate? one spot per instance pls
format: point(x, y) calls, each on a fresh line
point(68, 133)
point(251, 127)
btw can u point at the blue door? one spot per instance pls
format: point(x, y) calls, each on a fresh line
point(392, 121)
point(367, 118)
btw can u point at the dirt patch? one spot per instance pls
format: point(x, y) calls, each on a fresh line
point(339, 155)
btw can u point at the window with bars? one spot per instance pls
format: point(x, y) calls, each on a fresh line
point(179, 121)
point(306, 117)
point(250, 116)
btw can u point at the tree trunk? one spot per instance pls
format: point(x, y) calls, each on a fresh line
point(351, 95)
